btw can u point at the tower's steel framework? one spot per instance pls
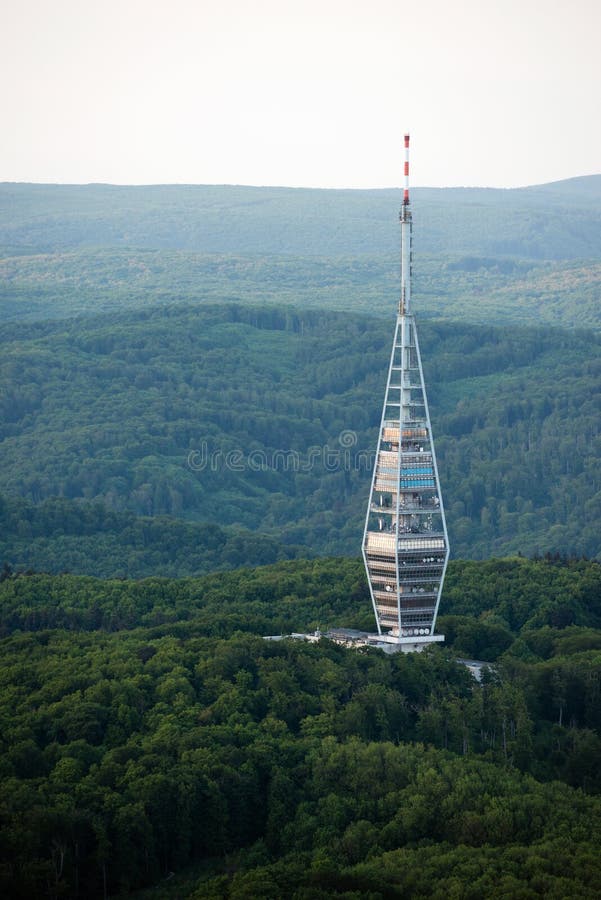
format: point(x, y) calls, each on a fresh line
point(405, 542)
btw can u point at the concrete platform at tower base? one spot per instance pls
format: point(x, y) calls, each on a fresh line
point(389, 643)
point(350, 637)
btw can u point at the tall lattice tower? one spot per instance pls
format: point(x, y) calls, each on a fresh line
point(405, 542)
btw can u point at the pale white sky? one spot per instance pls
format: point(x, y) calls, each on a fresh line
point(314, 93)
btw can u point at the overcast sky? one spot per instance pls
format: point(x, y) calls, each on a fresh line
point(314, 93)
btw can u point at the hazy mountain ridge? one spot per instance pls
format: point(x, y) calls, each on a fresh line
point(525, 255)
point(303, 221)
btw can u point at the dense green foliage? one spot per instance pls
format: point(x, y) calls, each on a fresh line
point(466, 288)
point(526, 256)
point(142, 732)
point(64, 535)
point(487, 607)
point(271, 599)
point(147, 733)
point(120, 410)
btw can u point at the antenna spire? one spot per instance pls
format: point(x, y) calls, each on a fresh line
point(405, 218)
point(406, 190)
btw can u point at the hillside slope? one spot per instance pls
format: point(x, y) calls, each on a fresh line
point(528, 256)
point(266, 418)
point(555, 221)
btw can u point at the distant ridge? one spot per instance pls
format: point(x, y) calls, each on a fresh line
point(518, 222)
point(583, 186)
point(582, 183)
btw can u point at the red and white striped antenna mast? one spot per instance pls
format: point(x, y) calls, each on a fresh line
point(405, 218)
point(406, 190)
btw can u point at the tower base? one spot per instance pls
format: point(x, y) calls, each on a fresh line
point(350, 637)
point(389, 643)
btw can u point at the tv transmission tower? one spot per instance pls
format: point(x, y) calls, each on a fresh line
point(405, 542)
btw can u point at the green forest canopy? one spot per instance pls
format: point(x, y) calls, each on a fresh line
point(526, 256)
point(135, 414)
point(149, 735)
point(144, 733)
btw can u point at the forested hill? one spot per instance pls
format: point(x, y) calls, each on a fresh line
point(150, 737)
point(555, 221)
point(264, 419)
point(177, 396)
point(484, 255)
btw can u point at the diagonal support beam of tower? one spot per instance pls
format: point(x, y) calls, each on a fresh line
point(405, 542)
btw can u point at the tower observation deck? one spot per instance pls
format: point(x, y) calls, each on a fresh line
point(405, 541)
